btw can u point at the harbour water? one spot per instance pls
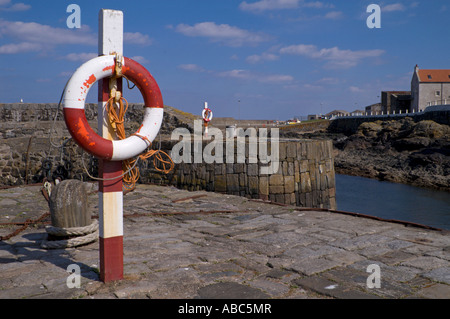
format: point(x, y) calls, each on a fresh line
point(393, 201)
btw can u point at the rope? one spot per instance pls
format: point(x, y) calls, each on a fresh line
point(85, 235)
point(73, 231)
point(132, 174)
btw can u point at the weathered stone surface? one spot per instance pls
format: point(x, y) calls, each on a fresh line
point(249, 250)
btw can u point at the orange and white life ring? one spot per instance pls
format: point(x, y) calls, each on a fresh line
point(207, 115)
point(74, 108)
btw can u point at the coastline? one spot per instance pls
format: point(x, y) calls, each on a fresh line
point(399, 151)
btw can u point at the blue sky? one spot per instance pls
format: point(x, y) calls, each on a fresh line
point(253, 59)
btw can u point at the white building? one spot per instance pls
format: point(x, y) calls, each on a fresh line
point(429, 87)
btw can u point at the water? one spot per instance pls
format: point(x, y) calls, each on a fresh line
point(393, 201)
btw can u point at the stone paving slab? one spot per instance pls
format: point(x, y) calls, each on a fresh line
point(175, 247)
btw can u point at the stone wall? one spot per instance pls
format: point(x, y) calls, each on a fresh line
point(305, 175)
point(29, 152)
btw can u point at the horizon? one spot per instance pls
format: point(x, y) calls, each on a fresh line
point(250, 60)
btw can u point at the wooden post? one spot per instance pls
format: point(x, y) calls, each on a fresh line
point(110, 189)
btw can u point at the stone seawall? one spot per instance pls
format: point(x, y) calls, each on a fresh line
point(305, 175)
point(28, 153)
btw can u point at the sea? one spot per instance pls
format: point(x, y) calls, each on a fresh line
point(393, 201)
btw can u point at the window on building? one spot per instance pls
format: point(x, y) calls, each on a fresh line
point(429, 77)
point(438, 93)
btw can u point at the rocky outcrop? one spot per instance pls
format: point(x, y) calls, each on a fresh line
point(401, 151)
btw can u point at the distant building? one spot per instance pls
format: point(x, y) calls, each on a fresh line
point(313, 117)
point(395, 101)
point(429, 87)
point(374, 109)
point(337, 113)
point(357, 113)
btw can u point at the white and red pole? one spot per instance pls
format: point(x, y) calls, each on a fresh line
point(110, 189)
point(207, 117)
point(205, 122)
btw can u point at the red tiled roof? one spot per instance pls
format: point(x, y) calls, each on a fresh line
point(434, 75)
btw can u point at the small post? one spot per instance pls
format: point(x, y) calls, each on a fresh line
point(205, 122)
point(110, 189)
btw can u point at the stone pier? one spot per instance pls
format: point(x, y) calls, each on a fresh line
point(305, 176)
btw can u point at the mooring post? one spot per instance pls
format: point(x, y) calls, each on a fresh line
point(110, 189)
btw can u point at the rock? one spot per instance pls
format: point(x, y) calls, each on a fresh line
point(400, 151)
point(370, 129)
point(412, 143)
point(431, 129)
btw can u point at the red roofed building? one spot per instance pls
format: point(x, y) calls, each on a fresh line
point(429, 87)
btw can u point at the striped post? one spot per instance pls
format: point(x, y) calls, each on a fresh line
point(110, 189)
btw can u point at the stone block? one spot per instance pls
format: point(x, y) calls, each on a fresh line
point(289, 184)
point(305, 183)
point(242, 180)
point(290, 170)
point(282, 151)
point(264, 185)
point(276, 180)
point(239, 168)
point(252, 170)
point(220, 183)
point(232, 183)
point(253, 184)
point(274, 189)
point(291, 150)
point(220, 169)
point(303, 166)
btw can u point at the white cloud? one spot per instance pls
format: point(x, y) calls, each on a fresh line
point(44, 34)
point(82, 57)
point(224, 33)
point(267, 5)
point(264, 5)
point(355, 89)
point(275, 78)
point(14, 48)
point(333, 15)
point(312, 87)
point(328, 80)
point(393, 7)
point(262, 78)
point(335, 57)
point(15, 7)
point(136, 38)
point(237, 74)
point(191, 67)
point(253, 59)
point(140, 59)
point(31, 36)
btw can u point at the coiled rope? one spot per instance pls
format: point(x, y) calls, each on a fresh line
point(132, 174)
point(70, 237)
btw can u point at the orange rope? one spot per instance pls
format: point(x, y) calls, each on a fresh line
point(117, 122)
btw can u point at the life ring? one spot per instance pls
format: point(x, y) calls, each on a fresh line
point(207, 115)
point(74, 108)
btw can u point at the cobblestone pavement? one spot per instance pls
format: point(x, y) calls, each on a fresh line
point(237, 248)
